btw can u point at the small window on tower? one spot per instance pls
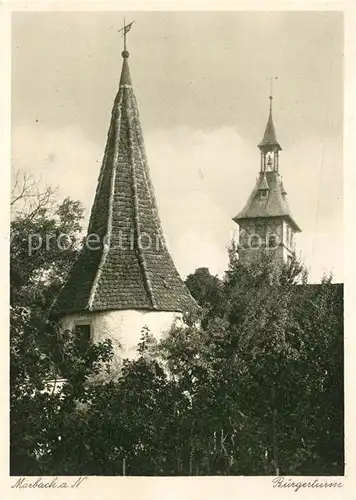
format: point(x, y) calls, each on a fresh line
point(83, 332)
point(289, 260)
point(272, 242)
point(263, 193)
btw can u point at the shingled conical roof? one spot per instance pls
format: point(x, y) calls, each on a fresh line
point(130, 268)
point(269, 140)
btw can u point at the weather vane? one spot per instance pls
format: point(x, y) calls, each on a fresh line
point(125, 30)
point(271, 78)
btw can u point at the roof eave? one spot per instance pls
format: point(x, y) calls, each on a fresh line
point(295, 226)
point(62, 314)
point(265, 147)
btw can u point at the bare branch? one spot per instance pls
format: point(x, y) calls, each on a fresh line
point(29, 196)
point(22, 188)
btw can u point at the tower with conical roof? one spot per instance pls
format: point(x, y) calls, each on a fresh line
point(266, 222)
point(124, 278)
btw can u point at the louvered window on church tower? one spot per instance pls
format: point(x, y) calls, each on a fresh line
point(83, 332)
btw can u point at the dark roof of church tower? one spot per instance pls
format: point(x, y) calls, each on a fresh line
point(269, 140)
point(273, 205)
point(283, 191)
point(131, 267)
point(262, 182)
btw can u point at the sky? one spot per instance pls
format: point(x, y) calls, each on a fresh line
point(200, 79)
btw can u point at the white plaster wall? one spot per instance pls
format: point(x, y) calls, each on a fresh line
point(124, 327)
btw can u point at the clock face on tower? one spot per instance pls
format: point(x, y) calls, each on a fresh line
point(260, 234)
point(252, 236)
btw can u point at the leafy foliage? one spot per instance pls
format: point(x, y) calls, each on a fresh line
point(39, 353)
point(255, 387)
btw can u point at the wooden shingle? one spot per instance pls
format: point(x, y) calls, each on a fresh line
point(131, 267)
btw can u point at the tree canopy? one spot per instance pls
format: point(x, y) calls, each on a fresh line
point(252, 386)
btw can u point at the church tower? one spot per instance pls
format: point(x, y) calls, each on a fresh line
point(124, 278)
point(266, 222)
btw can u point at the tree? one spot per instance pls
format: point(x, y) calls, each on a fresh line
point(266, 373)
point(39, 353)
point(37, 411)
point(207, 291)
point(255, 388)
point(130, 423)
point(203, 286)
point(45, 241)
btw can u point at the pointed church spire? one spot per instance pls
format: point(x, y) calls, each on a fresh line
point(124, 263)
point(269, 141)
point(268, 199)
